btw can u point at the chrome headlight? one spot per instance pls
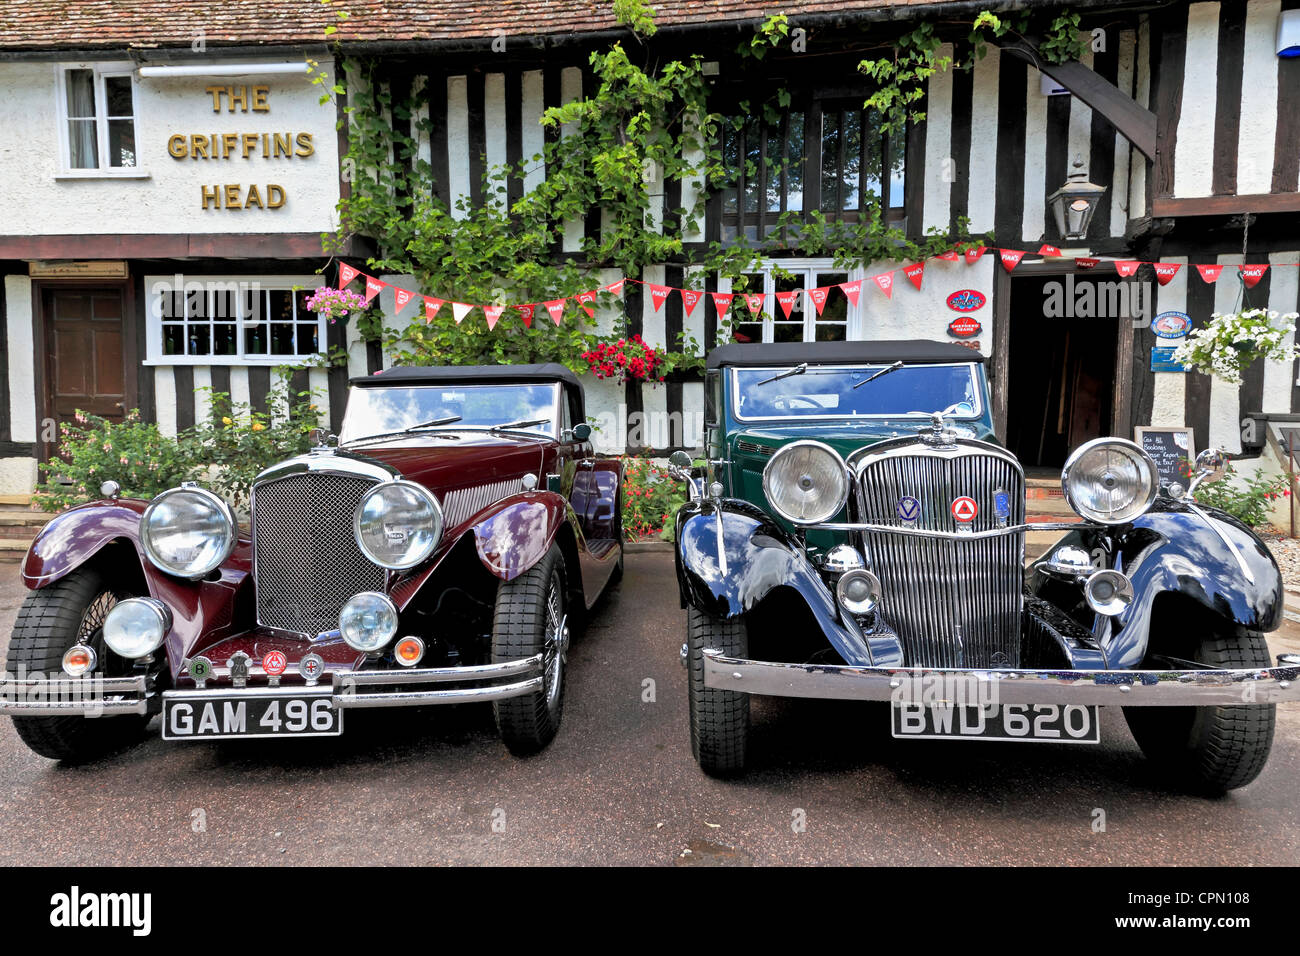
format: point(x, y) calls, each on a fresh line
point(398, 524)
point(1110, 480)
point(188, 531)
point(806, 482)
point(368, 621)
point(136, 627)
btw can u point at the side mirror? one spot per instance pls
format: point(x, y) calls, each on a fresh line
point(680, 459)
point(679, 466)
point(581, 431)
point(1211, 465)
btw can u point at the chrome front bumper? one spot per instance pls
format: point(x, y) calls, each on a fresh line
point(106, 697)
point(1199, 688)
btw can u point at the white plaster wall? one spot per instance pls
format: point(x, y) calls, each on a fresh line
point(938, 148)
point(924, 314)
point(983, 141)
point(1225, 426)
point(1170, 390)
point(1259, 106)
point(1194, 157)
point(21, 357)
point(169, 200)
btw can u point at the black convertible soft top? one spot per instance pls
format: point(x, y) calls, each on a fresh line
point(435, 374)
point(786, 354)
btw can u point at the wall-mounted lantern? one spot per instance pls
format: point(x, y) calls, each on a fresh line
point(1074, 203)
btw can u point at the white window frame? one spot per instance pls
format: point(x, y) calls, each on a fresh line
point(809, 267)
point(102, 72)
point(154, 354)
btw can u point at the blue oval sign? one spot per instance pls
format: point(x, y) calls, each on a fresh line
point(966, 300)
point(1171, 325)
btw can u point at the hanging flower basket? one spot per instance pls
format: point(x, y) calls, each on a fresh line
point(624, 359)
point(1232, 341)
point(336, 304)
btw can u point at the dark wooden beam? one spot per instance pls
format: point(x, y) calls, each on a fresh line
point(288, 245)
point(1226, 205)
point(1133, 121)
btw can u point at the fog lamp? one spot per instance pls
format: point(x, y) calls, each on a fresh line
point(368, 621)
point(409, 651)
point(136, 627)
point(858, 591)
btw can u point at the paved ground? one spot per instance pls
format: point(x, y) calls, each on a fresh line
point(619, 786)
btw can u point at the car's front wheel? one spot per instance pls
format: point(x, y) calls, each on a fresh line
point(1211, 749)
point(49, 622)
point(719, 718)
point(531, 619)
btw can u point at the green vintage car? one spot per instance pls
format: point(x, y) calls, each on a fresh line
point(860, 534)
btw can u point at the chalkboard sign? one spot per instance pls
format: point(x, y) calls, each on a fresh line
point(1167, 447)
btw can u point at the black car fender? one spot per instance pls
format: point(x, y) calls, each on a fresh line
point(1208, 557)
point(730, 556)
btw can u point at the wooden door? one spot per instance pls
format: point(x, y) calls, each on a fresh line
point(85, 362)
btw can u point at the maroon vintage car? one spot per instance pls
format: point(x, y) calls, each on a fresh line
point(437, 554)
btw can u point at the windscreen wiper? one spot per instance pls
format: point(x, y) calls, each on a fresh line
point(515, 426)
point(884, 371)
point(422, 426)
point(797, 370)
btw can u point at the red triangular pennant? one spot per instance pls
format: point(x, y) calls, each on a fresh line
point(401, 297)
point(852, 289)
point(493, 313)
point(952, 255)
point(1010, 258)
point(459, 310)
point(658, 295)
point(914, 272)
point(347, 274)
point(431, 307)
point(1083, 262)
point(556, 308)
point(1165, 271)
point(1126, 267)
point(526, 313)
point(1209, 271)
point(690, 299)
point(1251, 275)
point(786, 301)
point(886, 283)
point(586, 298)
point(614, 287)
point(722, 302)
point(373, 288)
point(818, 297)
point(973, 255)
point(755, 302)
point(1048, 250)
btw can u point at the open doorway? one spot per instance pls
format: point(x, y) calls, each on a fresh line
point(1061, 370)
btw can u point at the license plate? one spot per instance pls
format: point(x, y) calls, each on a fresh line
point(254, 712)
point(1047, 723)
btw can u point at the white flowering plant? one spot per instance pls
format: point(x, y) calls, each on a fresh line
point(1231, 341)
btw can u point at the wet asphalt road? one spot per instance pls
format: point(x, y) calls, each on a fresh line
point(618, 786)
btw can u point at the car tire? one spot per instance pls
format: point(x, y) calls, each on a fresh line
point(1211, 750)
point(48, 623)
point(530, 619)
point(719, 718)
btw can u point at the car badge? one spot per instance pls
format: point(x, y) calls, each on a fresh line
point(964, 511)
point(200, 669)
point(909, 509)
point(238, 665)
point(311, 667)
point(274, 663)
point(1002, 507)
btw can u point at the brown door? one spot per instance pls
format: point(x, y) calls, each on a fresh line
point(85, 369)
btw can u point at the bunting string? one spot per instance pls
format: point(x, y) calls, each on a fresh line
point(756, 303)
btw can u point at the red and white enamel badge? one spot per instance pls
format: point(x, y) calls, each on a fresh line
point(965, 509)
point(275, 663)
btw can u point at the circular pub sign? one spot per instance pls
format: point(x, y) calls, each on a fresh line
point(965, 326)
point(966, 300)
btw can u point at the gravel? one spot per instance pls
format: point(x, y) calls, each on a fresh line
point(1287, 552)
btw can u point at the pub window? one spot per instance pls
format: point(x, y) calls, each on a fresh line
point(96, 110)
point(829, 155)
point(804, 324)
point(224, 320)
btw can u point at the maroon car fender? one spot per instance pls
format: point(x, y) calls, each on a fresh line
point(199, 609)
point(516, 532)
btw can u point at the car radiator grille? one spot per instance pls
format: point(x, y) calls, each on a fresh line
point(954, 602)
point(307, 562)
